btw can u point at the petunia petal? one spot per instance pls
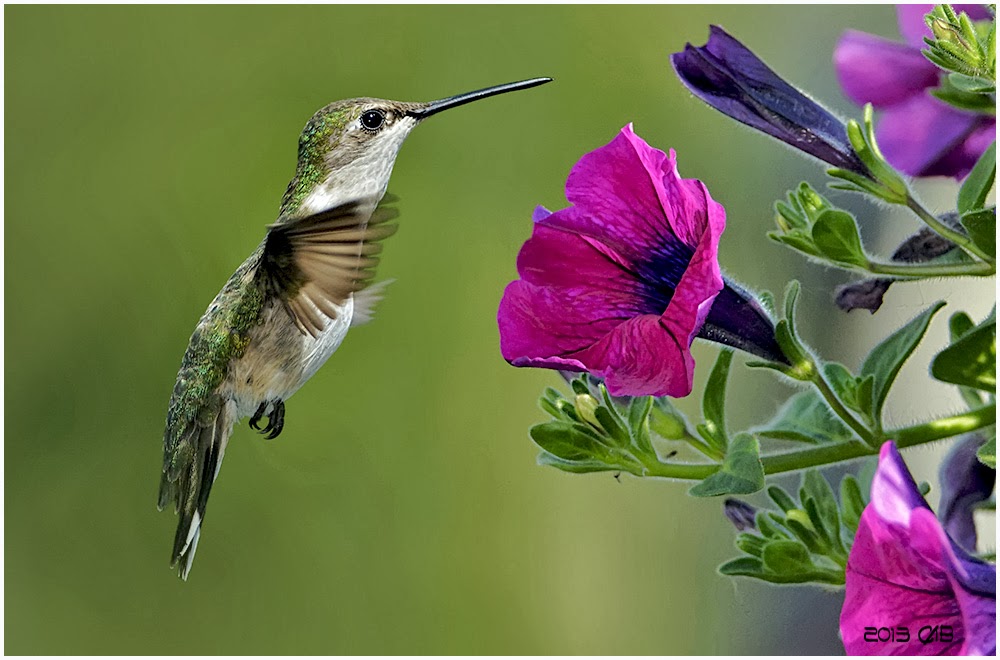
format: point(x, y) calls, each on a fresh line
point(920, 133)
point(894, 492)
point(642, 356)
point(573, 291)
point(888, 586)
point(881, 72)
point(960, 160)
point(975, 629)
point(904, 572)
point(619, 197)
point(965, 482)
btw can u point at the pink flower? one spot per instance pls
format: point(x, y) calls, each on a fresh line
point(619, 283)
point(918, 134)
point(904, 572)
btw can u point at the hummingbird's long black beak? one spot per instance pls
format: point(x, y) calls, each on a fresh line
point(435, 107)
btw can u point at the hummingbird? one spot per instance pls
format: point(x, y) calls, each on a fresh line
point(288, 307)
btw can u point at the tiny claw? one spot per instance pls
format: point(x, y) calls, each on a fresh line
point(276, 420)
point(256, 417)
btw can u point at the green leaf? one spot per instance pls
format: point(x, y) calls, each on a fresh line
point(836, 235)
point(827, 514)
point(550, 408)
point(865, 397)
point(638, 427)
point(610, 422)
point(576, 467)
point(769, 527)
point(570, 441)
point(638, 411)
point(766, 300)
point(852, 502)
point(781, 498)
point(787, 557)
point(791, 298)
point(886, 359)
point(976, 187)
point(797, 240)
point(788, 344)
point(974, 84)
point(988, 453)
point(980, 103)
point(805, 417)
point(959, 324)
point(751, 544)
point(843, 383)
point(971, 361)
point(741, 472)
point(789, 562)
point(666, 421)
point(805, 533)
point(982, 228)
point(743, 567)
point(714, 402)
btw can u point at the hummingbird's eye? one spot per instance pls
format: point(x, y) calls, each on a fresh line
point(372, 120)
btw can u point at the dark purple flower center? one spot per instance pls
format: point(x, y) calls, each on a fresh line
point(660, 274)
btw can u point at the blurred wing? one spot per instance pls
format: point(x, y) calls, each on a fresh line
point(313, 264)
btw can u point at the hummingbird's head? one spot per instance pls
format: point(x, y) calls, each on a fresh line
point(347, 149)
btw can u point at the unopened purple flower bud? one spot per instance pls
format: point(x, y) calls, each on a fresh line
point(726, 75)
point(742, 515)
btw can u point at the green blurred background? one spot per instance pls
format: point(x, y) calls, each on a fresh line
point(401, 510)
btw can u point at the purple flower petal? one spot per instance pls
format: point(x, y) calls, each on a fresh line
point(960, 160)
point(903, 571)
point(881, 72)
point(965, 482)
point(922, 135)
point(729, 77)
point(619, 283)
point(894, 493)
point(573, 292)
point(644, 211)
point(972, 584)
point(914, 29)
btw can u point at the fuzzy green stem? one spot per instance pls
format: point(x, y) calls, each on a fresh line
point(958, 238)
point(841, 410)
point(802, 459)
point(932, 270)
point(703, 447)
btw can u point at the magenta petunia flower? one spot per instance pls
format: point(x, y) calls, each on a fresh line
point(621, 282)
point(910, 590)
point(918, 134)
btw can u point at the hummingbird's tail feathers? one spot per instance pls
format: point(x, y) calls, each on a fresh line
point(189, 472)
point(365, 301)
point(315, 263)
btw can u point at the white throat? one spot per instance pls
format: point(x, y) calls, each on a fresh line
point(365, 176)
